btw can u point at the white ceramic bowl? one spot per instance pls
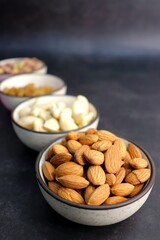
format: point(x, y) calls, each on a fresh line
point(93, 215)
point(42, 70)
point(11, 102)
point(37, 140)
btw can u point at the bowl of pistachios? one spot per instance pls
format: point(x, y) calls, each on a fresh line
point(40, 120)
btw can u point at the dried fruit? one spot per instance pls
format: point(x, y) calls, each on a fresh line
point(99, 195)
point(122, 189)
point(70, 195)
point(48, 170)
point(69, 168)
point(94, 157)
point(73, 181)
point(96, 175)
point(112, 158)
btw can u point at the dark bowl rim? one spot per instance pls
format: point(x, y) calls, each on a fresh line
point(149, 184)
point(16, 59)
point(35, 74)
point(52, 133)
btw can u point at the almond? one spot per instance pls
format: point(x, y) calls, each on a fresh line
point(73, 145)
point(79, 155)
point(138, 176)
point(138, 163)
point(112, 158)
point(126, 160)
point(73, 136)
point(69, 168)
point(96, 175)
point(48, 170)
point(88, 139)
point(99, 195)
point(88, 191)
point(136, 190)
point(122, 189)
point(134, 151)
point(54, 186)
point(91, 131)
point(94, 157)
point(106, 135)
point(55, 149)
point(121, 146)
point(120, 175)
point(70, 195)
point(73, 181)
point(115, 200)
point(102, 145)
point(60, 158)
point(110, 179)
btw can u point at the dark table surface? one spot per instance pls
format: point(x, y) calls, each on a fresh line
point(127, 94)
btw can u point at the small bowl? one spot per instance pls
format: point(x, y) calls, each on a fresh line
point(10, 102)
point(37, 140)
point(94, 215)
point(42, 70)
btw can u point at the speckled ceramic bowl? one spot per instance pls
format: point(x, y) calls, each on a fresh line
point(38, 140)
point(92, 215)
point(10, 102)
point(42, 70)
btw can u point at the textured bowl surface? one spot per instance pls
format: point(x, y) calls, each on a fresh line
point(38, 140)
point(10, 102)
point(91, 215)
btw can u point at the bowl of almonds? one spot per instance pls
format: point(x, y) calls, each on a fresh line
point(40, 120)
point(95, 177)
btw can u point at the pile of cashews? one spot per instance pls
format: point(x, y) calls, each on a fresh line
point(56, 117)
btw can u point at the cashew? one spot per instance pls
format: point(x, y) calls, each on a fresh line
point(51, 125)
point(45, 115)
point(87, 119)
point(85, 102)
point(35, 111)
point(27, 121)
point(57, 109)
point(38, 125)
point(66, 121)
point(24, 112)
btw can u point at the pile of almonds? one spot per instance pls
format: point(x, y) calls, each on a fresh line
point(95, 168)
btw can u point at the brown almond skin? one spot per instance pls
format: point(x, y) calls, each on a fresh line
point(110, 179)
point(73, 136)
point(48, 170)
point(69, 168)
point(79, 155)
point(115, 200)
point(138, 176)
point(94, 157)
point(73, 181)
point(60, 158)
point(138, 163)
point(70, 195)
point(88, 191)
point(112, 160)
point(132, 179)
point(106, 135)
point(91, 131)
point(122, 189)
point(73, 145)
point(55, 149)
point(96, 175)
point(102, 145)
point(137, 189)
point(88, 139)
point(99, 195)
point(121, 146)
point(54, 186)
point(120, 175)
point(134, 151)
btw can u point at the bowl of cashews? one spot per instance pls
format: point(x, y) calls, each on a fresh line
point(19, 88)
point(40, 120)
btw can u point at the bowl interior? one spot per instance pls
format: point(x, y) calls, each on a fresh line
point(38, 79)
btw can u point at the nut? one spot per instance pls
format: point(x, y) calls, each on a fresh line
point(88, 139)
point(94, 157)
point(110, 179)
point(99, 195)
point(73, 145)
point(119, 143)
point(134, 151)
point(138, 163)
point(69, 168)
point(70, 195)
point(48, 170)
point(106, 135)
point(115, 200)
point(73, 181)
point(96, 175)
point(60, 158)
point(102, 145)
point(122, 189)
point(79, 154)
